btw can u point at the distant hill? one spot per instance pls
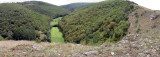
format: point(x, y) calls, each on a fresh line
point(16, 19)
point(158, 10)
point(45, 8)
point(75, 6)
point(98, 22)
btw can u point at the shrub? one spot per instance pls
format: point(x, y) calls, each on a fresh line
point(138, 29)
point(1, 38)
point(112, 25)
point(136, 15)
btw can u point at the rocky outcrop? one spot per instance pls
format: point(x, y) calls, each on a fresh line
point(153, 16)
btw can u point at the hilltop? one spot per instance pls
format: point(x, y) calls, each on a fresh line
point(74, 6)
point(50, 10)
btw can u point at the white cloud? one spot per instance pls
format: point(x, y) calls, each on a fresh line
point(152, 4)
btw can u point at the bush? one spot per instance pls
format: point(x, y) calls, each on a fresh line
point(24, 34)
point(138, 29)
point(112, 25)
point(1, 38)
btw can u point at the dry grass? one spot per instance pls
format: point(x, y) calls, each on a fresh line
point(31, 48)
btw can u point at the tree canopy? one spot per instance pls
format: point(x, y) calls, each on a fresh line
point(74, 6)
point(98, 22)
point(50, 10)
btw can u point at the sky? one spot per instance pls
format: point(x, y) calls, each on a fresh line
point(151, 4)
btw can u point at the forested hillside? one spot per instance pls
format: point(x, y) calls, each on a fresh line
point(97, 23)
point(18, 22)
point(74, 6)
point(45, 8)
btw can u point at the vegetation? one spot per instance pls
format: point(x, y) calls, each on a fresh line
point(138, 29)
point(25, 34)
point(1, 38)
point(56, 34)
point(55, 21)
point(14, 16)
point(25, 20)
point(97, 23)
point(50, 10)
point(74, 6)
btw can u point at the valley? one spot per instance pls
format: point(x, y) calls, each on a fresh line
point(56, 34)
point(111, 28)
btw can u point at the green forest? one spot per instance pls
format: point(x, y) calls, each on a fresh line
point(97, 23)
point(75, 6)
point(25, 21)
point(47, 9)
point(81, 23)
point(14, 18)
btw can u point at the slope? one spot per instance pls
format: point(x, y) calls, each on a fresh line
point(74, 6)
point(145, 42)
point(50, 10)
point(14, 17)
point(134, 44)
point(97, 23)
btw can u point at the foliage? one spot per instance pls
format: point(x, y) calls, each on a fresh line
point(33, 15)
point(24, 34)
point(1, 38)
point(138, 29)
point(14, 16)
point(50, 10)
point(136, 15)
point(98, 22)
point(55, 21)
point(74, 6)
point(112, 25)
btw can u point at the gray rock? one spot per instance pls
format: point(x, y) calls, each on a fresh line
point(90, 52)
point(76, 54)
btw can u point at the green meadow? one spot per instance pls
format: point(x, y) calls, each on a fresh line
point(56, 34)
point(55, 21)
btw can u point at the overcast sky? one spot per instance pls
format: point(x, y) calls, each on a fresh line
point(152, 4)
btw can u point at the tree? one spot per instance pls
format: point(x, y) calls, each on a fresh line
point(24, 34)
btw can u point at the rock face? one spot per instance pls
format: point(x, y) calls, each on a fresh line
point(153, 16)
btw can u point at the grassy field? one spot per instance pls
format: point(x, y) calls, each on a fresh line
point(55, 21)
point(56, 34)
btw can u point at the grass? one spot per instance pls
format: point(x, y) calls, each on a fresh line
point(55, 21)
point(56, 34)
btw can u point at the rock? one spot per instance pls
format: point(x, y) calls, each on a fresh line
point(76, 54)
point(153, 16)
point(112, 53)
point(90, 52)
point(24, 52)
